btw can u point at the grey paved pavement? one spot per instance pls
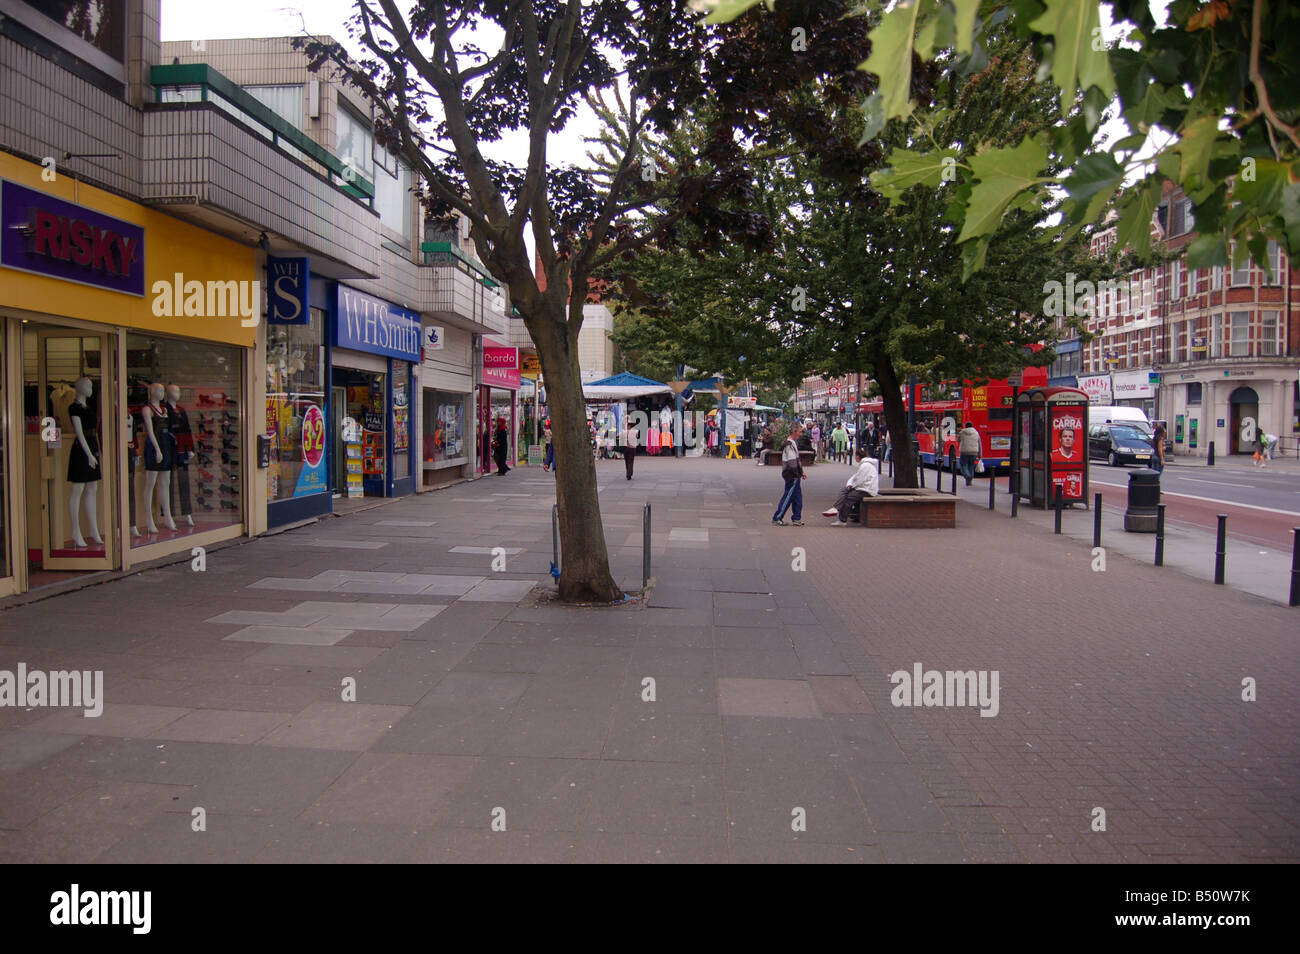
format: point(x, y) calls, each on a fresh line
point(744, 714)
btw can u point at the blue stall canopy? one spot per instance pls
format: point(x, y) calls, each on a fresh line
point(620, 387)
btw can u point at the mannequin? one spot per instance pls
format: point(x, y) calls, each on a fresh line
point(159, 452)
point(83, 464)
point(128, 428)
point(180, 427)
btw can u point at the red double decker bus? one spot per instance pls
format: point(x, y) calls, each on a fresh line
point(941, 410)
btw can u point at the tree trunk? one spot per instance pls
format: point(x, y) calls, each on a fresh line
point(584, 561)
point(896, 420)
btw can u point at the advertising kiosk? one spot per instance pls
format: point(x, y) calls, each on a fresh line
point(1052, 446)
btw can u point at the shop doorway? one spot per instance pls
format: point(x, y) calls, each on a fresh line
point(1243, 420)
point(362, 430)
point(70, 408)
point(338, 410)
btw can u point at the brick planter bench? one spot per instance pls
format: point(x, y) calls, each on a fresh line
point(772, 458)
point(909, 509)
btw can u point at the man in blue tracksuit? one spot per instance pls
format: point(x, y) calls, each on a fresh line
point(792, 473)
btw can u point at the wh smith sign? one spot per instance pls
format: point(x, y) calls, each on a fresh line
point(365, 323)
point(288, 295)
point(58, 239)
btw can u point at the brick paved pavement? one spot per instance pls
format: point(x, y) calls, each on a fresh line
point(1118, 690)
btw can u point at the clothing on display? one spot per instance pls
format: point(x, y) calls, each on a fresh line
point(80, 470)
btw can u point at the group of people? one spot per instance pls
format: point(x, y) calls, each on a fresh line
point(863, 482)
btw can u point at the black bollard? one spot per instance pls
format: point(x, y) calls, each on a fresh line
point(1209, 457)
point(920, 466)
point(1160, 534)
point(1056, 505)
point(1096, 520)
point(1015, 495)
point(952, 464)
point(1295, 567)
point(993, 486)
point(1221, 548)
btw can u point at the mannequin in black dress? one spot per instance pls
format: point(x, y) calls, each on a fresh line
point(159, 452)
point(83, 464)
point(180, 427)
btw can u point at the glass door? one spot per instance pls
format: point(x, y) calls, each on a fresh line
point(74, 420)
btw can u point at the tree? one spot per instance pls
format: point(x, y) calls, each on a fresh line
point(854, 283)
point(1211, 102)
point(441, 98)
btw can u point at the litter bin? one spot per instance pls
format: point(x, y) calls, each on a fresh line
point(1143, 500)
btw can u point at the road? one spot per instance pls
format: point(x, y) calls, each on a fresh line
point(1262, 505)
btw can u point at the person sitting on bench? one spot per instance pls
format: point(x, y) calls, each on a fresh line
point(865, 482)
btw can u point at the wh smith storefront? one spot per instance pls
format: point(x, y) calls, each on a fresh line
point(374, 347)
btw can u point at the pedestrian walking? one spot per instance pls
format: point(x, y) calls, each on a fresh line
point(815, 435)
point(865, 482)
point(793, 475)
point(840, 442)
point(1158, 448)
point(548, 461)
point(629, 449)
point(970, 449)
point(501, 446)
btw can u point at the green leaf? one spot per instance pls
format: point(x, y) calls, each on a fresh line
point(966, 11)
point(972, 256)
point(1135, 216)
point(1091, 185)
point(938, 32)
point(1290, 211)
point(724, 11)
point(1195, 146)
point(1207, 250)
point(1000, 175)
point(1077, 63)
point(1260, 183)
point(908, 169)
point(891, 56)
point(873, 113)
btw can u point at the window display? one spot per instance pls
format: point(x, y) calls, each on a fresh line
point(185, 450)
point(295, 409)
point(444, 427)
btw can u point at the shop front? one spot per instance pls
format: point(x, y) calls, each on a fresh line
point(446, 419)
point(373, 347)
point(1229, 406)
point(1136, 389)
point(126, 349)
point(497, 403)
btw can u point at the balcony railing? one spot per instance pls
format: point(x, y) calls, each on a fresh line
point(198, 82)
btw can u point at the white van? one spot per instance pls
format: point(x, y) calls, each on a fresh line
point(1120, 415)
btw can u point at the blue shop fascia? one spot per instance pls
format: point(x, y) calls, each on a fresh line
point(374, 347)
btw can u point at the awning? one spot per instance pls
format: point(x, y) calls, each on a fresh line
point(619, 387)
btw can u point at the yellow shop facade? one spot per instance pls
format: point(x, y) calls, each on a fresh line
point(127, 356)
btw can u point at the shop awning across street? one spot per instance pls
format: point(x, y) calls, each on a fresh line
point(620, 387)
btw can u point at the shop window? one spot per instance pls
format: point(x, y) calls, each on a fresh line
point(101, 23)
point(284, 101)
point(1240, 343)
point(444, 435)
point(394, 200)
point(295, 409)
point(185, 452)
point(356, 143)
